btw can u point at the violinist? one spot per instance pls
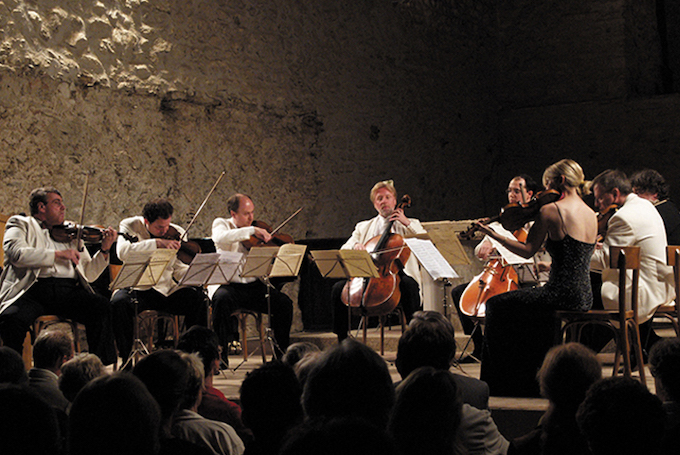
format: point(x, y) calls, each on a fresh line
point(45, 276)
point(521, 190)
point(520, 325)
point(650, 185)
point(384, 198)
point(230, 234)
point(635, 223)
point(151, 231)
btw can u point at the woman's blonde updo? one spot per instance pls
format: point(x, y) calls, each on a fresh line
point(570, 170)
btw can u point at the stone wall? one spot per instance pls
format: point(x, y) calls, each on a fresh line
point(304, 103)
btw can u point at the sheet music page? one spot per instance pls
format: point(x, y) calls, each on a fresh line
point(129, 275)
point(288, 260)
point(328, 263)
point(358, 263)
point(444, 234)
point(259, 261)
point(508, 256)
point(160, 260)
point(431, 258)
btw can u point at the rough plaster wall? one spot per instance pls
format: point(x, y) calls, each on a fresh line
point(302, 103)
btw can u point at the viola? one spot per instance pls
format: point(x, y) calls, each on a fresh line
point(277, 239)
point(603, 221)
point(389, 253)
point(67, 232)
point(187, 248)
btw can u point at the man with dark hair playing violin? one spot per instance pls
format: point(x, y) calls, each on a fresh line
point(384, 198)
point(151, 231)
point(45, 276)
point(635, 223)
point(229, 234)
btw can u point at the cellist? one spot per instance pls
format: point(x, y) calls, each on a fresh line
point(521, 189)
point(384, 198)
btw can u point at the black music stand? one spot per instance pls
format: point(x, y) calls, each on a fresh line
point(267, 262)
point(143, 268)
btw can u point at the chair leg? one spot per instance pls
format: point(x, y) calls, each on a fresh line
point(637, 349)
point(381, 321)
point(260, 330)
point(244, 335)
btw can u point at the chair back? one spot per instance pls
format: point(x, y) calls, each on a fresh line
point(626, 258)
point(673, 259)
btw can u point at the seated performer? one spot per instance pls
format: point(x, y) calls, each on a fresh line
point(521, 189)
point(384, 198)
point(245, 292)
point(44, 276)
point(650, 185)
point(150, 228)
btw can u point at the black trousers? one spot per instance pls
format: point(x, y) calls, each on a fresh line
point(252, 296)
point(192, 303)
point(67, 298)
point(409, 303)
point(467, 323)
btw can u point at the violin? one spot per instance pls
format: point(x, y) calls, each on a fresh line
point(516, 215)
point(67, 232)
point(389, 252)
point(276, 240)
point(187, 248)
point(603, 221)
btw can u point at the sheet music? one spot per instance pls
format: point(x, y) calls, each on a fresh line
point(444, 234)
point(259, 261)
point(212, 268)
point(288, 260)
point(508, 256)
point(345, 263)
point(328, 262)
point(431, 258)
point(150, 264)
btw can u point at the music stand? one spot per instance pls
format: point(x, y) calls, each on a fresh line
point(142, 268)
point(269, 262)
point(345, 264)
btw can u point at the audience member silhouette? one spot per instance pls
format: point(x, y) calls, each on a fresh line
point(214, 405)
point(567, 372)
point(349, 380)
point(219, 437)
point(431, 341)
point(340, 436)
point(114, 415)
point(270, 396)
point(664, 363)
point(619, 416)
point(297, 351)
point(427, 413)
point(79, 371)
point(51, 349)
point(12, 370)
point(166, 376)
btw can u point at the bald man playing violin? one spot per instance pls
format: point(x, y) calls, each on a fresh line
point(150, 229)
point(229, 234)
point(44, 276)
point(384, 198)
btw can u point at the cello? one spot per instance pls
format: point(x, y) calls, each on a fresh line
point(381, 295)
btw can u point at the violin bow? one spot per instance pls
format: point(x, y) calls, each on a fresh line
point(278, 228)
point(79, 234)
point(191, 223)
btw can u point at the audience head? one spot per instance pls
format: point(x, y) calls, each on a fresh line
point(167, 376)
point(205, 343)
point(297, 351)
point(619, 416)
point(77, 372)
point(196, 381)
point(349, 380)
point(649, 184)
point(52, 348)
point(114, 415)
point(429, 341)
point(270, 400)
point(567, 372)
point(664, 362)
point(340, 436)
point(28, 425)
point(12, 369)
point(427, 412)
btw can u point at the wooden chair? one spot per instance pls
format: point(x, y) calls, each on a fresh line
point(670, 311)
point(623, 322)
point(242, 315)
point(381, 321)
